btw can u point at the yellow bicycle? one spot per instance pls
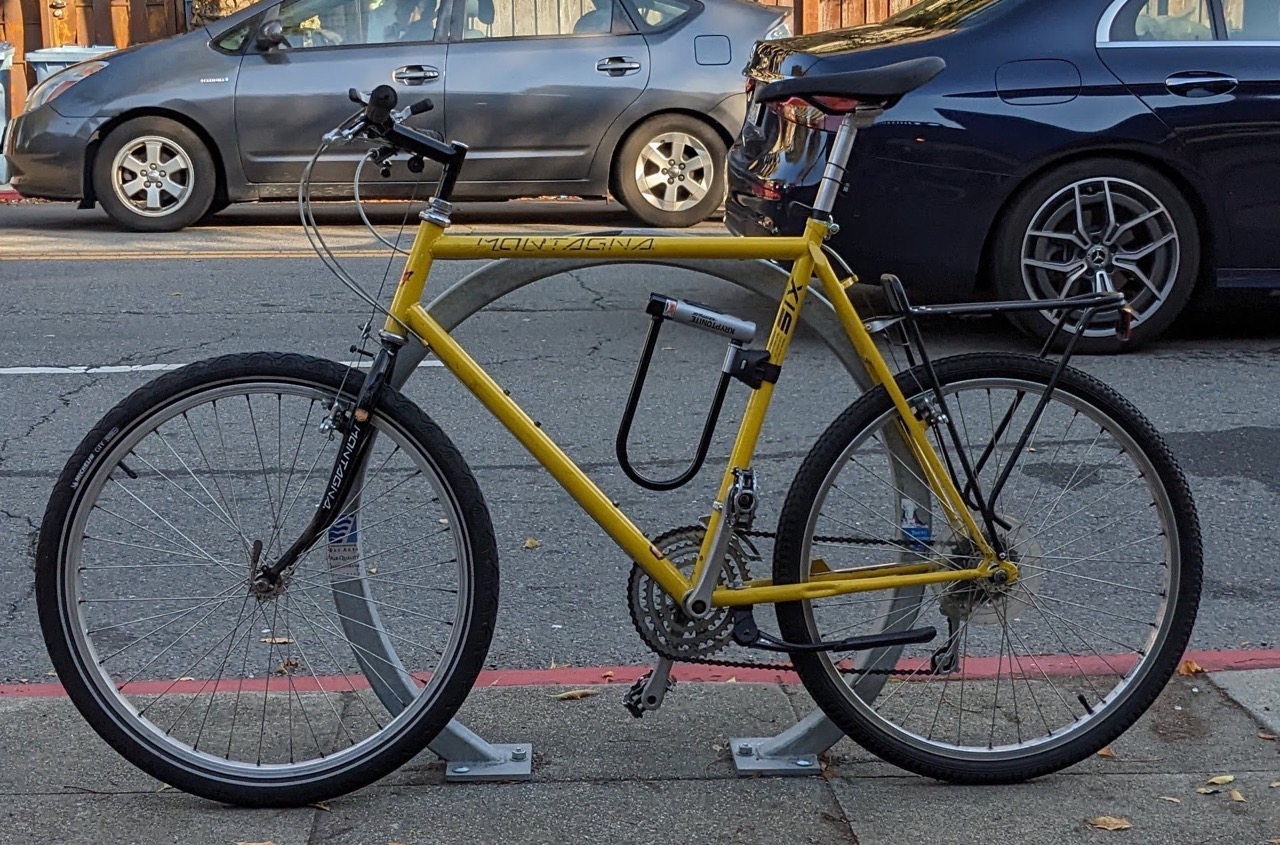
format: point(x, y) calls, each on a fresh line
point(270, 579)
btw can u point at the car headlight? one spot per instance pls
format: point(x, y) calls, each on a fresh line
point(779, 31)
point(61, 81)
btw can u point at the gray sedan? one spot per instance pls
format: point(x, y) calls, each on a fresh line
point(634, 98)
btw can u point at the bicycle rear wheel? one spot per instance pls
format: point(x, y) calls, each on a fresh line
point(340, 676)
point(1026, 678)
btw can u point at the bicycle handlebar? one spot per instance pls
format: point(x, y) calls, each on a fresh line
point(381, 121)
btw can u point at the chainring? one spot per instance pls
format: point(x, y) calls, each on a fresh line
point(661, 622)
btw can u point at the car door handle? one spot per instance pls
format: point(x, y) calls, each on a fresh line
point(1196, 83)
point(414, 74)
point(618, 65)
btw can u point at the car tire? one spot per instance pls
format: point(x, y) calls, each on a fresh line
point(670, 171)
point(1093, 223)
point(152, 174)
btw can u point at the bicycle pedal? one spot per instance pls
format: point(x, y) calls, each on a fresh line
point(649, 690)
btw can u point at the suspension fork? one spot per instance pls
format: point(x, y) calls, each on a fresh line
point(357, 439)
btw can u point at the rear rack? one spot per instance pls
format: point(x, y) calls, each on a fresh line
point(901, 328)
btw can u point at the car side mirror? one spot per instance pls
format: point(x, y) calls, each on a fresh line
point(271, 35)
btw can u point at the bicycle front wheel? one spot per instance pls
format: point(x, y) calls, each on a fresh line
point(1024, 678)
point(353, 665)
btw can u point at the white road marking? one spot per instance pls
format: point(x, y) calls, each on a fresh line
point(136, 368)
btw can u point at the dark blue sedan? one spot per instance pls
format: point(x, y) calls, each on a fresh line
point(1070, 145)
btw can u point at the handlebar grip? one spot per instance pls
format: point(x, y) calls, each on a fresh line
point(381, 102)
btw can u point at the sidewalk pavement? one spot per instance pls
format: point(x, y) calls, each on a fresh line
point(601, 776)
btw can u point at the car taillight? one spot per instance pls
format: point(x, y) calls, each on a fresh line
point(797, 111)
point(768, 189)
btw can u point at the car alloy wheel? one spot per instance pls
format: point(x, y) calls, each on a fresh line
point(1103, 234)
point(152, 176)
point(675, 171)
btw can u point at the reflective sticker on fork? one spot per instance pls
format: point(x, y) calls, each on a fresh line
point(343, 548)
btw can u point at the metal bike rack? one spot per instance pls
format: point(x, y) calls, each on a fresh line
point(468, 756)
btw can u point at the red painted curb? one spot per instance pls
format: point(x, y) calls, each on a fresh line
point(10, 196)
point(593, 676)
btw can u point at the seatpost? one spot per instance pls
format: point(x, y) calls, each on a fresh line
point(838, 160)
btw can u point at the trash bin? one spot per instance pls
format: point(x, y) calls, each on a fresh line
point(6, 66)
point(45, 63)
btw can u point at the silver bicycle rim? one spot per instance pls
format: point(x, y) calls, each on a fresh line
point(1102, 234)
point(953, 698)
point(362, 702)
point(152, 176)
point(675, 172)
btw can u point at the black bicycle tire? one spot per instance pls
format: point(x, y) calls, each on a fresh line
point(135, 743)
point(1038, 762)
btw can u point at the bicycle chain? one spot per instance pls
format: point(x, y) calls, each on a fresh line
point(788, 666)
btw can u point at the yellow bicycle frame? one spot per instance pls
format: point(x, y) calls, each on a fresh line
point(806, 252)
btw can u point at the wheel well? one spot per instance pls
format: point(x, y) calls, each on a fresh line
point(1193, 198)
point(91, 153)
point(626, 136)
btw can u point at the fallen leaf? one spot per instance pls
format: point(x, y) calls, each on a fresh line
point(575, 694)
point(320, 805)
point(733, 679)
point(443, 521)
point(1190, 667)
point(186, 678)
point(373, 570)
point(1220, 780)
point(608, 674)
point(1107, 753)
point(287, 666)
point(531, 543)
point(1266, 736)
point(163, 787)
point(1207, 790)
point(277, 640)
point(1275, 784)
point(176, 293)
point(1236, 795)
point(1170, 799)
point(1110, 823)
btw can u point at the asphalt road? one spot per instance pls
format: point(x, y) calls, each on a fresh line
point(80, 294)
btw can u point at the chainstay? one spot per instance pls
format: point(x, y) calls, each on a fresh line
point(788, 666)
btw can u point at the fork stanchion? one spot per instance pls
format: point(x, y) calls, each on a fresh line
point(469, 756)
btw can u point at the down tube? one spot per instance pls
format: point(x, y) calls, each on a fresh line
point(570, 476)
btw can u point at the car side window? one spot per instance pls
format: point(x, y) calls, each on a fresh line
point(1162, 21)
point(655, 14)
point(538, 18)
point(328, 23)
point(1252, 20)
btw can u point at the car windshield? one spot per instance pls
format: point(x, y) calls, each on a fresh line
point(938, 14)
